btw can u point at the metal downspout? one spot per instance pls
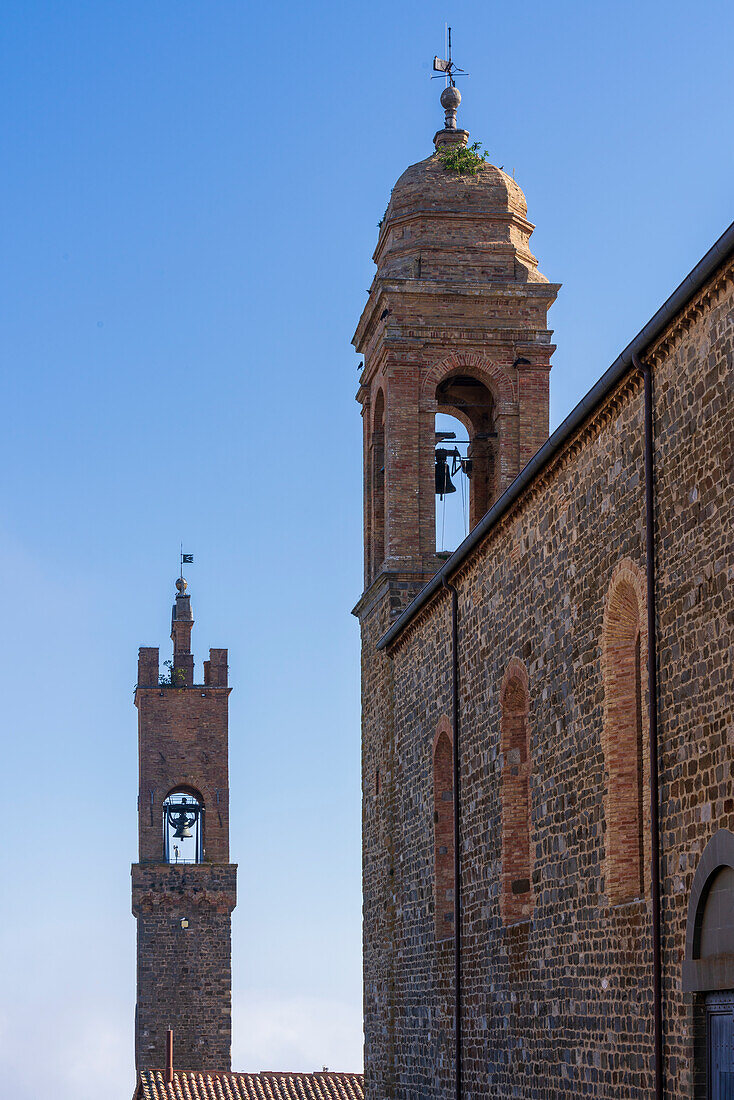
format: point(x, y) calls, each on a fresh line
point(457, 822)
point(652, 693)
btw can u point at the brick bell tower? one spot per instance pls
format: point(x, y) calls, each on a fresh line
point(183, 887)
point(455, 323)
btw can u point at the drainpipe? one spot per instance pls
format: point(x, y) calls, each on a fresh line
point(652, 694)
point(169, 1056)
point(457, 821)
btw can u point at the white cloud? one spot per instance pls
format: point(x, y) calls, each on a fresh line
point(77, 1054)
point(86, 1050)
point(295, 1033)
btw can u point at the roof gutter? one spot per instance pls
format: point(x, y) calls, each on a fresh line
point(691, 285)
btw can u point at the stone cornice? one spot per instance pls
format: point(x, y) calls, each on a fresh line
point(169, 886)
point(487, 342)
point(369, 321)
point(382, 584)
point(419, 214)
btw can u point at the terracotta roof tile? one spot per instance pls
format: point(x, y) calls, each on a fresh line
point(250, 1086)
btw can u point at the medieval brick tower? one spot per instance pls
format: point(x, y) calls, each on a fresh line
point(455, 323)
point(184, 887)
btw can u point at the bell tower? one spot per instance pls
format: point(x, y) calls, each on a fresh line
point(455, 323)
point(455, 326)
point(183, 887)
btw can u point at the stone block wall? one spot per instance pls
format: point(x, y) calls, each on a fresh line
point(694, 403)
point(559, 1002)
point(184, 964)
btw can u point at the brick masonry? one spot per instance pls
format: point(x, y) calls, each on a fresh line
point(558, 999)
point(183, 911)
point(457, 297)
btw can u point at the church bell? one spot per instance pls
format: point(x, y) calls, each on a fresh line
point(181, 823)
point(444, 483)
point(182, 832)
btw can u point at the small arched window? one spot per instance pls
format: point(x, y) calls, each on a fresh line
point(183, 827)
point(516, 899)
point(624, 805)
point(443, 833)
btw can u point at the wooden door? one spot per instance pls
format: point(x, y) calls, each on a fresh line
point(720, 1042)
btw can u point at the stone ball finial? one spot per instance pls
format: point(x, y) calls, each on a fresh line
point(450, 100)
point(181, 586)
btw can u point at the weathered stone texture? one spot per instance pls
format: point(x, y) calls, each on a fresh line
point(559, 1004)
point(184, 963)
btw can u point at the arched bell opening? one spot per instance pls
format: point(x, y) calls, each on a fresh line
point(183, 826)
point(451, 482)
point(470, 401)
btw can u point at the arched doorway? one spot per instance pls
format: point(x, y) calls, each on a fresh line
point(708, 968)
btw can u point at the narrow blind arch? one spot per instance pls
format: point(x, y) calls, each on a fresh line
point(443, 834)
point(377, 472)
point(516, 898)
point(625, 811)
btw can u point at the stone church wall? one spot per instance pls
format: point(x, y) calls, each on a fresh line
point(559, 1004)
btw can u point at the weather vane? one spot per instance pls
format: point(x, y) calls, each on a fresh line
point(186, 559)
point(446, 67)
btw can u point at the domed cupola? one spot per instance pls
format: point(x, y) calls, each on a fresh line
point(451, 224)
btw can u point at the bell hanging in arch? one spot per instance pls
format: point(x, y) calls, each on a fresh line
point(182, 826)
point(183, 832)
point(444, 483)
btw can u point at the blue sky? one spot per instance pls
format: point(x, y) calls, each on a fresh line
point(190, 199)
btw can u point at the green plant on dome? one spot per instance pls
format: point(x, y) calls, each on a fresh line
point(465, 160)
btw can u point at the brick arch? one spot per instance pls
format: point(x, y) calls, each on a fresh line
point(714, 968)
point(206, 793)
point(379, 405)
point(458, 414)
point(185, 790)
point(192, 789)
point(626, 755)
point(516, 896)
point(195, 786)
point(476, 366)
point(443, 726)
point(515, 673)
point(489, 454)
point(443, 830)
